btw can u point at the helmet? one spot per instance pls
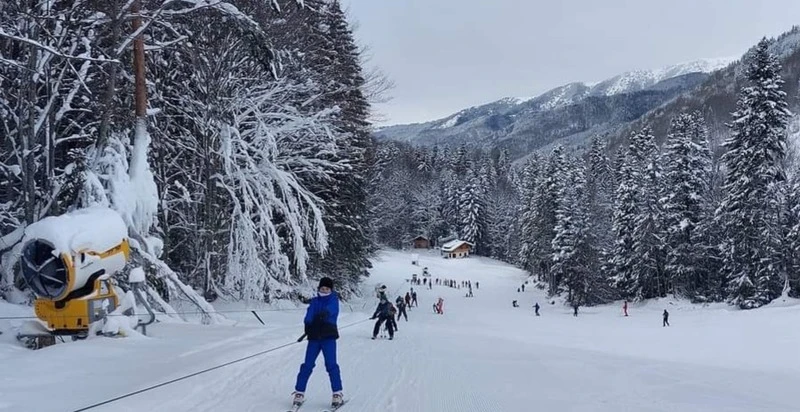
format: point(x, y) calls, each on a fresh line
point(383, 287)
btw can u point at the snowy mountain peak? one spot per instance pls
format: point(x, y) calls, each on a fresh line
point(628, 82)
point(641, 79)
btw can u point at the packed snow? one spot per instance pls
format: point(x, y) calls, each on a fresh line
point(97, 228)
point(482, 354)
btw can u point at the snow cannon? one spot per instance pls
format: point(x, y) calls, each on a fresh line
point(68, 261)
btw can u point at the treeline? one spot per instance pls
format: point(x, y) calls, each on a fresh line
point(251, 176)
point(646, 222)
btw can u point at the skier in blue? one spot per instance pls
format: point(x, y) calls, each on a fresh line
point(322, 332)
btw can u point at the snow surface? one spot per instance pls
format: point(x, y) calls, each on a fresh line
point(481, 355)
point(452, 121)
point(96, 228)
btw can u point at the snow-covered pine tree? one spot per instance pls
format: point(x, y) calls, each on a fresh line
point(628, 208)
point(749, 212)
point(600, 198)
point(544, 226)
point(685, 204)
point(573, 256)
point(317, 48)
point(792, 240)
point(528, 212)
point(474, 225)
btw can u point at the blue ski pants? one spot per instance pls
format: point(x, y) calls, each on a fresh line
point(328, 349)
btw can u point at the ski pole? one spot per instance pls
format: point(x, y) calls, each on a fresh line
point(300, 339)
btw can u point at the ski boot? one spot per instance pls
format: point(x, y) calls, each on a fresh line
point(337, 400)
point(298, 399)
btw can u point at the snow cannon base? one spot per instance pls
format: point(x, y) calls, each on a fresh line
point(73, 317)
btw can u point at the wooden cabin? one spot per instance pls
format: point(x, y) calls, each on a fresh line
point(422, 242)
point(456, 249)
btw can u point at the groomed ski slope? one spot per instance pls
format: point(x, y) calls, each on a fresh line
point(481, 355)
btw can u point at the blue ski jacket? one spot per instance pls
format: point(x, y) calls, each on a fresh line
point(321, 317)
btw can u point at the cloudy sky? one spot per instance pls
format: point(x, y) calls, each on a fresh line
point(446, 55)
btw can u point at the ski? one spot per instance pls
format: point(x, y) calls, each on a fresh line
point(295, 408)
point(336, 408)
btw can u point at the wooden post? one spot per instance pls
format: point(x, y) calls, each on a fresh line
point(138, 65)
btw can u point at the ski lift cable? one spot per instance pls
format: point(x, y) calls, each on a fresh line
point(166, 313)
point(149, 388)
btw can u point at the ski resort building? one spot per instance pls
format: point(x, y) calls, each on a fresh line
point(456, 249)
point(422, 242)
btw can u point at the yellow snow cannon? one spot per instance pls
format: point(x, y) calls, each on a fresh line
point(68, 261)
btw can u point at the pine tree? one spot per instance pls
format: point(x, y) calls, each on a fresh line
point(530, 198)
point(687, 176)
point(573, 255)
point(631, 216)
point(474, 225)
point(792, 240)
point(600, 198)
point(749, 213)
point(649, 232)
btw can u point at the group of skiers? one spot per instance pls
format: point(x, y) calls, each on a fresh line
point(575, 307)
point(385, 313)
point(456, 284)
point(321, 330)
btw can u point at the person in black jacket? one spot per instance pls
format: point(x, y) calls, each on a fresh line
point(384, 314)
point(401, 308)
point(322, 332)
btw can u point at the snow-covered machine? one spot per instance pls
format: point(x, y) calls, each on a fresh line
point(68, 261)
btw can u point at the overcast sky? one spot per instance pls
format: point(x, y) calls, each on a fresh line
point(446, 55)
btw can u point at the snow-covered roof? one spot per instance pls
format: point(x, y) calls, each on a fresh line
point(420, 237)
point(454, 244)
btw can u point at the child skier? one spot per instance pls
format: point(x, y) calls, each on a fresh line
point(440, 306)
point(383, 314)
point(322, 332)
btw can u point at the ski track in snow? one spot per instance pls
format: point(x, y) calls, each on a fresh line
point(481, 355)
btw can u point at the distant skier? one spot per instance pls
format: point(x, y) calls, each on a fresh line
point(666, 318)
point(523, 287)
point(408, 299)
point(536, 308)
point(440, 306)
point(477, 285)
point(381, 292)
point(575, 310)
point(514, 303)
point(517, 290)
point(470, 292)
point(383, 313)
point(401, 308)
point(625, 308)
point(414, 298)
point(322, 332)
